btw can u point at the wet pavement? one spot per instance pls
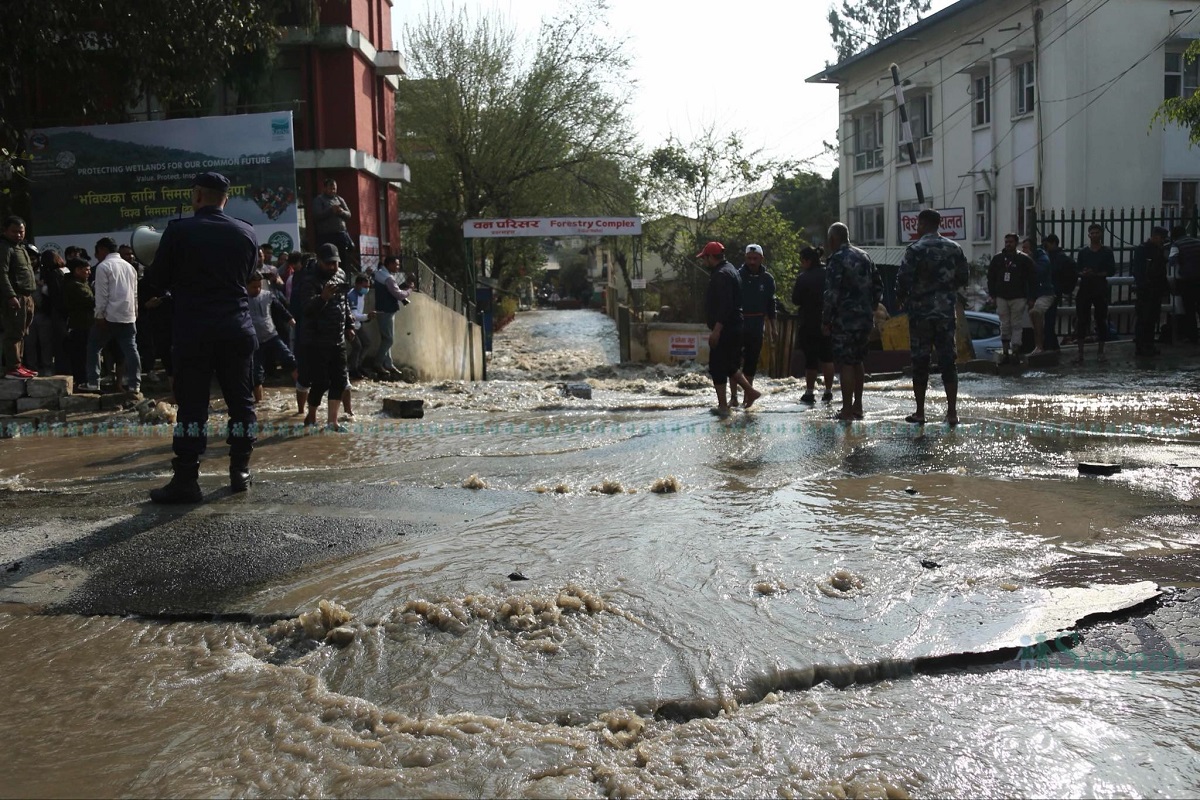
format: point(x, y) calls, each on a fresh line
point(816, 609)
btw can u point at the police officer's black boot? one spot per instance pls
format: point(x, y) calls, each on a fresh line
point(239, 472)
point(183, 487)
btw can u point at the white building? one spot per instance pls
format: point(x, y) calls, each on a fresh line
point(1017, 105)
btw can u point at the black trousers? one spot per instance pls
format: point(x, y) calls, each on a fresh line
point(77, 339)
point(1189, 293)
point(1147, 310)
point(230, 361)
point(326, 366)
point(752, 342)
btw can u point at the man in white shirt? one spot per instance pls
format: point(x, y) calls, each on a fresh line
point(116, 316)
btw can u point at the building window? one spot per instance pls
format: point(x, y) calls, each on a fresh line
point(1023, 89)
point(1025, 210)
point(1181, 76)
point(868, 141)
point(982, 91)
point(867, 225)
point(1179, 199)
point(983, 216)
point(920, 121)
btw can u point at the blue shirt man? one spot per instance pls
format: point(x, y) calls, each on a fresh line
point(205, 262)
point(758, 311)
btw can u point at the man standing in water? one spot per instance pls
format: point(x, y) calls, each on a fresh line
point(1096, 264)
point(758, 310)
point(723, 309)
point(931, 273)
point(205, 262)
point(853, 290)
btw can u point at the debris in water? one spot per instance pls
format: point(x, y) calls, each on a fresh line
point(770, 587)
point(621, 728)
point(1097, 468)
point(562, 488)
point(910, 490)
point(540, 489)
point(581, 390)
point(608, 487)
point(474, 482)
point(929, 563)
point(517, 576)
point(1009, 587)
point(667, 485)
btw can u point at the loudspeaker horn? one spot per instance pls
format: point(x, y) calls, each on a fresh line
point(144, 242)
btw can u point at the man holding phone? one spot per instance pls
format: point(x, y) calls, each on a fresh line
point(325, 327)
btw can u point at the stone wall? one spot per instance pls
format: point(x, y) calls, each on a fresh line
point(438, 343)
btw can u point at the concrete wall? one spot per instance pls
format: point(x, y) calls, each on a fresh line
point(437, 342)
point(651, 342)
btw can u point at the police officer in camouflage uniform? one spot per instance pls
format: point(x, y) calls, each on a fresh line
point(853, 290)
point(205, 262)
point(931, 273)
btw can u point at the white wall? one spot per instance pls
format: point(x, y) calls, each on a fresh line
point(1098, 146)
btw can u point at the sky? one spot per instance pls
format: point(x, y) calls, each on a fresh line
point(736, 65)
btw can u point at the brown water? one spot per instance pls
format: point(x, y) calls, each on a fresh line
point(664, 643)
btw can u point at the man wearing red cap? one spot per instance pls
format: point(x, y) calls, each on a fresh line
point(723, 307)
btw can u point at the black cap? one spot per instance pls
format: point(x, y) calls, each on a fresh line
point(328, 252)
point(1160, 230)
point(211, 180)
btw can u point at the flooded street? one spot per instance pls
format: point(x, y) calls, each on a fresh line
point(771, 605)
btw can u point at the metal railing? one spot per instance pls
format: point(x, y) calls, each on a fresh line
point(432, 285)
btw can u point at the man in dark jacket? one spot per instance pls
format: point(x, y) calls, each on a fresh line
point(205, 262)
point(1010, 283)
point(808, 295)
point(17, 285)
point(1065, 275)
point(723, 315)
point(324, 327)
point(1096, 265)
point(80, 305)
point(1150, 284)
point(1183, 261)
point(853, 294)
point(758, 312)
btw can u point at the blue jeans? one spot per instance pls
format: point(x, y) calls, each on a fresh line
point(387, 336)
point(125, 334)
point(269, 354)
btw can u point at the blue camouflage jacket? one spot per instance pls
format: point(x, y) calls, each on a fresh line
point(931, 273)
point(853, 289)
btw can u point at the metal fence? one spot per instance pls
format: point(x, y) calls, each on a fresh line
point(1124, 229)
point(432, 285)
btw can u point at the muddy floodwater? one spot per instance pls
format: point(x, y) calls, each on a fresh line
point(633, 598)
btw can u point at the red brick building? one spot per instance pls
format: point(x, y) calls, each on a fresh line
point(341, 80)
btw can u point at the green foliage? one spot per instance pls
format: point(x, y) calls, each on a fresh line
point(862, 23)
point(493, 126)
point(712, 189)
point(1182, 111)
point(808, 201)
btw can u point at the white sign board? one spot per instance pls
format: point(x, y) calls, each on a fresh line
point(954, 225)
point(551, 226)
point(684, 345)
point(368, 252)
point(637, 283)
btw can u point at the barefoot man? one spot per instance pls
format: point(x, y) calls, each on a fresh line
point(723, 306)
point(931, 273)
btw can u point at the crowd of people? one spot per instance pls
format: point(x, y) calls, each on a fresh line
point(214, 303)
point(839, 302)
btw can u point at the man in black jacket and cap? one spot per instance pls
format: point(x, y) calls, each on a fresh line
point(723, 306)
point(205, 262)
point(323, 330)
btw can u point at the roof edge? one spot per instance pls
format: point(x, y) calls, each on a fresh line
point(830, 73)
